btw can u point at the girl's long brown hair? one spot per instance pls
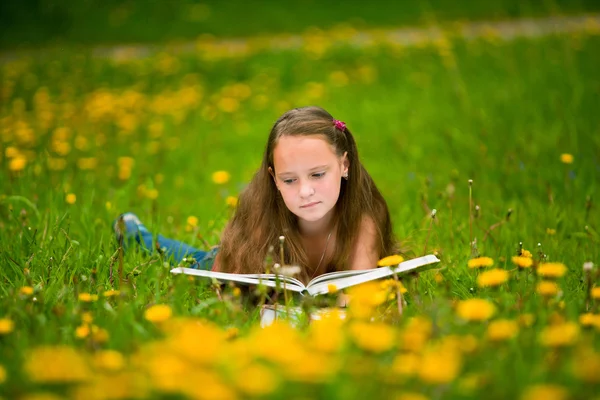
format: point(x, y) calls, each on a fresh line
point(262, 216)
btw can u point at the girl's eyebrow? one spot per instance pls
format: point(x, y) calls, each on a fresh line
point(324, 166)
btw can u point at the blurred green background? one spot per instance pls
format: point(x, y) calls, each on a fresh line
point(31, 23)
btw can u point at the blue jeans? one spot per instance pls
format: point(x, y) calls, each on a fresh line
point(172, 249)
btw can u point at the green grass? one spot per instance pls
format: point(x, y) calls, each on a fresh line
point(426, 120)
point(33, 23)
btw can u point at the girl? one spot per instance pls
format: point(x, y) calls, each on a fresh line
point(310, 188)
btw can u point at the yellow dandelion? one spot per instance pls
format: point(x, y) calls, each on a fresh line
point(109, 360)
point(17, 164)
point(439, 366)
point(231, 201)
point(526, 253)
point(99, 335)
point(547, 288)
point(82, 331)
point(192, 221)
point(158, 313)
point(87, 297)
point(566, 158)
point(480, 262)
point(220, 177)
point(390, 261)
point(595, 293)
point(6, 326)
point(492, 278)
point(111, 293)
point(560, 335)
point(87, 317)
point(67, 365)
point(502, 329)
point(256, 380)
point(552, 270)
point(376, 337)
point(237, 292)
point(331, 288)
point(475, 309)
point(71, 198)
point(26, 291)
point(589, 319)
point(522, 262)
point(545, 392)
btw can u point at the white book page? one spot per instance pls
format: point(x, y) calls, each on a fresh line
point(336, 275)
point(250, 279)
point(374, 274)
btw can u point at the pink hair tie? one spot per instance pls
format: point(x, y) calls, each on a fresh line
point(339, 124)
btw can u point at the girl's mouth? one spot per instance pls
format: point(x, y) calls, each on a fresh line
point(309, 205)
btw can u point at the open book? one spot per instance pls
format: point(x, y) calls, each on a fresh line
point(320, 284)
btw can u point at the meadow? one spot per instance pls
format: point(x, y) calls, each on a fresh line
point(500, 138)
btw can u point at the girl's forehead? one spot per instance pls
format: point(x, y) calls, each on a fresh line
point(297, 152)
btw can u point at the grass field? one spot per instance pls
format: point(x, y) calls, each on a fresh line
point(85, 138)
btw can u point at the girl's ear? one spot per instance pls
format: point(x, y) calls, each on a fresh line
point(272, 173)
point(345, 163)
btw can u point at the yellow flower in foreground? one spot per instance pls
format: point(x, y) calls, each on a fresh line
point(564, 334)
point(566, 158)
point(158, 313)
point(406, 364)
point(256, 380)
point(60, 364)
point(6, 326)
point(493, 277)
point(440, 366)
point(87, 298)
point(586, 366)
point(595, 293)
point(545, 392)
point(480, 262)
point(26, 290)
point(71, 198)
point(376, 337)
point(547, 288)
point(502, 329)
point(109, 360)
point(589, 319)
point(220, 177)
point(552, 270)
point(475, 310)
point(522, 262)
point(390, 260)
point(17, 164)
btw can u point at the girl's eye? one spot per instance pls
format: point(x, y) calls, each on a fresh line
point(319, 175)
point(288, 181)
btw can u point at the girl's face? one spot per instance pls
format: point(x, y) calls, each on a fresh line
point(308, 174)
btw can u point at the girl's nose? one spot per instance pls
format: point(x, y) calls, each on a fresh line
point(306, 189)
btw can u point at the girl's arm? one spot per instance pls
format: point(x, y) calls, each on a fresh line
point(217, 263)
point(365, 255)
